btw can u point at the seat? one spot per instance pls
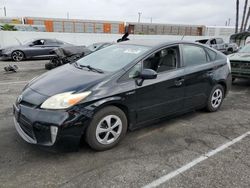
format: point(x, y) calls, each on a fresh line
point(167, 62)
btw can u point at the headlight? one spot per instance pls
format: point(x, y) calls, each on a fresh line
point(64, 100)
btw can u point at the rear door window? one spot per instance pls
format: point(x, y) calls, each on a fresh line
point(194, 55)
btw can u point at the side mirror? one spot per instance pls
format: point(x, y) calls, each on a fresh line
point(31, 45)
point(148, 74)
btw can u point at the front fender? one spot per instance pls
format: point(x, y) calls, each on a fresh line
point(98, 104)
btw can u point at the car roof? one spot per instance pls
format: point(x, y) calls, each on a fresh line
point(155, 43)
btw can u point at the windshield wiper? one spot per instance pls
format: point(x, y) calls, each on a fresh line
point(91, 68)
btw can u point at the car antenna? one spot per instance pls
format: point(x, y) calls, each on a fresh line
point(182, 37)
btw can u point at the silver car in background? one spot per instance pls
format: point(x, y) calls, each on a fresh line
point(36, 48)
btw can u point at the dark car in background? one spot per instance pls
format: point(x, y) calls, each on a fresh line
point(36, 48)
point(97, 46)
point(67, 54)
point(240, 63)
point(121, 87)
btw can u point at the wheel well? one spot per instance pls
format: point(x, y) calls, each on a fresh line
point(223, 84)
point(120, 106)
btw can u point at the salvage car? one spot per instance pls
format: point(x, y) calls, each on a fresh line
point(69, 54)
point(240, 63)
point(121, 87)
point(220, 45)
point(97, 46)
point(35, 48)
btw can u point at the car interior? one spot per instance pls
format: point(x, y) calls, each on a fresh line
point(163, 60)
point(39, 42)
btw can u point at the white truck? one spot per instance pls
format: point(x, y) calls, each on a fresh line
point(219, 44)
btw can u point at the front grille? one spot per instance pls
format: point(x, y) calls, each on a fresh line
point(240, 64)
point(26, 126)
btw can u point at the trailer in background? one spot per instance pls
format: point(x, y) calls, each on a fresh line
point(164, 29)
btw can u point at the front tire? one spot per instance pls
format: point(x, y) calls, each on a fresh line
point(17, 56)
point(107, 128)
point(216, 98)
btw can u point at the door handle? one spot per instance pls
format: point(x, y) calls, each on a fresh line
point(179, 82)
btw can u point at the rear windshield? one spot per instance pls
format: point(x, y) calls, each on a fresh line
point(114, 57)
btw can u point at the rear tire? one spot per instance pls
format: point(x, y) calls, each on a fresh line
point(216, 98)
point(17, 56)
point(107, 128)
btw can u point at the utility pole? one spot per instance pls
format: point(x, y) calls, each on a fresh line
point(229, 21)
point(151, 20)
point(139, 17)
point(4, 10)
point(67, 15)
point(244, 15)
point(237, 16)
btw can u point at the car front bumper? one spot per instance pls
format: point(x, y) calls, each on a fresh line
point(55, 129)
point(5, 57)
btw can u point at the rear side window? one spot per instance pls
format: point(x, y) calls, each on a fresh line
point(212, 55)
point(194, 55)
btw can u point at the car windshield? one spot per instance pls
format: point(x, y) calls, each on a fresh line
point(29, 41)
point(114, 57)
point(245, 49)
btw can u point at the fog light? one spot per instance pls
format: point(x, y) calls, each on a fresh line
point(53, 132)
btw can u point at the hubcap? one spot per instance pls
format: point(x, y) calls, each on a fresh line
point(108, 129)
point(17, 56)
point(216, 98)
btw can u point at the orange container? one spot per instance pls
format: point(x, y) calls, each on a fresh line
point(29, 21)
point(106, 27)
point(121, 28)
point(49, 25)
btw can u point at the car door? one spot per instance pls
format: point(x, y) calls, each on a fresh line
point(36, 49)
point(213, 44)
point(164, 95)
point(198, 75)
point(49, 45)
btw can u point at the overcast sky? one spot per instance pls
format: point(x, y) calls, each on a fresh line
point(204, 12)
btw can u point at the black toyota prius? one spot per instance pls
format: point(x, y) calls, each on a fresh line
point(119, 88)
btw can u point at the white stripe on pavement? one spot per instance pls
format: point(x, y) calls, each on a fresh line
point(196, 161)
point(8, 83)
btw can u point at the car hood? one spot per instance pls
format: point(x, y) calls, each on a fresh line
point(240, 57)
point(64, 79)
point(11, 47)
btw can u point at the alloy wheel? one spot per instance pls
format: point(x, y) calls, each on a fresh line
point(17, 56)
point(217, 98)
point(108, 129)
